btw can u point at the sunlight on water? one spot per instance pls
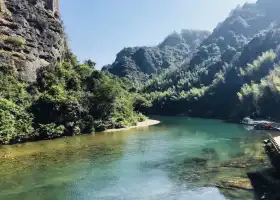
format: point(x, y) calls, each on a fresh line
point(180, 159)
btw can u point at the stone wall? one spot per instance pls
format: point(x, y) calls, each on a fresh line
point(31, 36)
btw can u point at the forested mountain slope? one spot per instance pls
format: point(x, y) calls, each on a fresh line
point(137, 63)
point(45, 92)
point(228, 75)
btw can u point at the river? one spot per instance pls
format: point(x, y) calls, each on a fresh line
point(182, 158)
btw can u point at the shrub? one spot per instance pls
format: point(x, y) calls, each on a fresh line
point(15, 123)
point(141, 117)
point(14, 40)
point(50, 131)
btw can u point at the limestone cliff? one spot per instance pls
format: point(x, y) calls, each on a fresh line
point(31, 36)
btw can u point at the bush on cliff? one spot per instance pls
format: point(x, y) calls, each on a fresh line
point(15, 123)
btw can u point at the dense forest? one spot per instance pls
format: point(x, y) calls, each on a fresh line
point(232, 74)
point(66, 99)
point(229, 74)
point(139, 64)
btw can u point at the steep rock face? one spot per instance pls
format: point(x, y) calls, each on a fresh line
point(31, 36)
point(137, 63)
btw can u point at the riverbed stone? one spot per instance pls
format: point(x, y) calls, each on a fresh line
point(245, 162)
point(197, 161)
point(235, 183)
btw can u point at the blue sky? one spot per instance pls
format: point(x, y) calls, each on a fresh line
point(99, 29)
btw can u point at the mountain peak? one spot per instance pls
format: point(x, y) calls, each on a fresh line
point(172, 40)
point(138, 63)
point(187, 36)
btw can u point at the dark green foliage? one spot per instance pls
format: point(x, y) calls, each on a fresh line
point(90, 63)
point(262, 98)
point(15, 123)
point(67, 99)
point(235, 59)
point(50, 131)
point(139, 63)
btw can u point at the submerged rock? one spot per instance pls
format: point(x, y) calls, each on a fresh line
point(245, 162)
point(236, 164)
point(237, 194)
point(196, 161)
point(210, 153)
point(235, 183)
point(197, 175)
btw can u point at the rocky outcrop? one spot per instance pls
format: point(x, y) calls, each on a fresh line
point(31, 36)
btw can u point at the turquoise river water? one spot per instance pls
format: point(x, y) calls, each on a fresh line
point(182, 158)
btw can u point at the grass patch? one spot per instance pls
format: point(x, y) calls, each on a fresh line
point(14, 40)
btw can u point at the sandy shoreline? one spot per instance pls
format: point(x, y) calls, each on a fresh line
point(146, 123)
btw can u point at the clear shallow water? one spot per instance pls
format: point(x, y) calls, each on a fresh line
point(179, 159)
